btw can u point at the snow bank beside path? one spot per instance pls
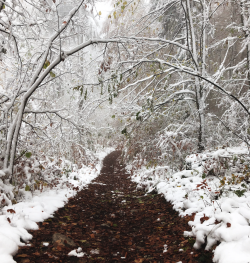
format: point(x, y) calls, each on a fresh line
point(16, 219)
point(220, 203)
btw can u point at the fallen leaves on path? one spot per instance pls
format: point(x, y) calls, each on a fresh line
point(112, 221)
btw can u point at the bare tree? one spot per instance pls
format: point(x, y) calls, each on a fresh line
point(38, 40)
point(158, 72)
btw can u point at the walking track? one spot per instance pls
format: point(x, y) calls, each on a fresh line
point(112, 221)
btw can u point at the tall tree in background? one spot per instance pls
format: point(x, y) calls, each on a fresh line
point(156, 59)
point(166, 67)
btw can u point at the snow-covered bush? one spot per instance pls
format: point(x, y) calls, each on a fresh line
point(215, 189)
point(31, 174)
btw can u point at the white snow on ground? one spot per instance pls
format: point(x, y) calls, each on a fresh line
point(16, 219)
point(165, 248)
point(77, 253)
point(222, 211)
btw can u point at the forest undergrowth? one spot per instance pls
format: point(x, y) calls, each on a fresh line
point(213, 186)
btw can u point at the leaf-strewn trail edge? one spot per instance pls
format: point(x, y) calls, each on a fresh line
point(112, 221)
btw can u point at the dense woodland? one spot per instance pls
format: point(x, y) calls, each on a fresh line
point(160, 79)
